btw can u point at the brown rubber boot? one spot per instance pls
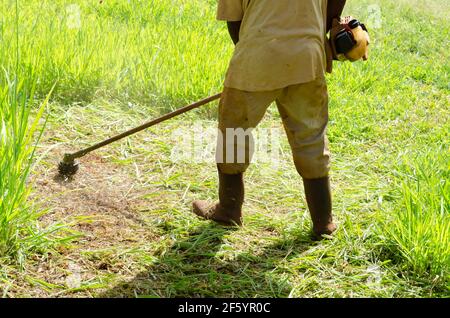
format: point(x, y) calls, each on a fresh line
point(231, 197)
point(318, 197)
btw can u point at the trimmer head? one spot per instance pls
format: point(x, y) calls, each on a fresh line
point(68, 167)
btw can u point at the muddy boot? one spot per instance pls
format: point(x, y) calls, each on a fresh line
point(318, 197)
point(231, 197)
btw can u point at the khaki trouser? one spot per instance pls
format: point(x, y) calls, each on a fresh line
point(304, 111)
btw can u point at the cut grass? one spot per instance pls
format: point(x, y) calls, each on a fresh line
point(389, 138)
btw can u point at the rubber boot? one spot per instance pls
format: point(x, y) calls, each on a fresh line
point(231, 197)
point(318, 197)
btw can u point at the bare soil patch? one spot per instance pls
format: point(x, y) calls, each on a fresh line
point(102, 202)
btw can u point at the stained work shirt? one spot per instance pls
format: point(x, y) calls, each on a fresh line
point(281, 42)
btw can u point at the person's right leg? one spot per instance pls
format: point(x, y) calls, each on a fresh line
point(238, 112)
point(228, 211)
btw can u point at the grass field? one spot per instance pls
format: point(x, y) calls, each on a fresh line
point(123, 227)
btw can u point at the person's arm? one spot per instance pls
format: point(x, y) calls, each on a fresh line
point(334, 11)
point(233, 28)
point(232, 12)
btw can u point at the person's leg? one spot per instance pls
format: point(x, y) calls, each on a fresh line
point(304, 110)
point(238, 112)
point(318, 197)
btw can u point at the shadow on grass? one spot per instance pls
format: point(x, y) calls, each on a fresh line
point(203, 264)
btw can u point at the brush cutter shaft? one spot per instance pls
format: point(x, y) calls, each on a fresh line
point(81, 153)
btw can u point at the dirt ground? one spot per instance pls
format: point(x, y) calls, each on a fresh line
point(103, 205)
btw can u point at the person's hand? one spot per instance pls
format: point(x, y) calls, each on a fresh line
point(329, 56)
point(336, 27)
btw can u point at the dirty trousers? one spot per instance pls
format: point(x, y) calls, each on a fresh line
point(304, 111)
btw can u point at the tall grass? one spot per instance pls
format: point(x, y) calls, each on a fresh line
point(146, 51)
point(21, 125)
point(418, 231)
point(17, 135)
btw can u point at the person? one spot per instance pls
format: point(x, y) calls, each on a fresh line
point(280, 56)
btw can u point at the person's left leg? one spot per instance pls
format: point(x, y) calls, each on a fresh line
point(304, 110)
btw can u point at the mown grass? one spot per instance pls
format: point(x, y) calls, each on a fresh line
point(388, 131)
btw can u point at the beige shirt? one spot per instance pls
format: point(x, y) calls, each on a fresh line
point(281, 42)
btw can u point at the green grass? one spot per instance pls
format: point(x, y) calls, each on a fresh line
point(18, 232)
point(418, 232)
point(133, 50)
point(22, 121)
point(133, 60)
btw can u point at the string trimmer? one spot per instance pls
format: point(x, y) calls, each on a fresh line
point(69, 167)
